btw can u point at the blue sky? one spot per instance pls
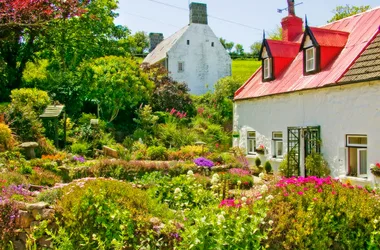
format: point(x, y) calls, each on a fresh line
point(150, 16)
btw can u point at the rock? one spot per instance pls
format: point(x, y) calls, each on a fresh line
point(257, 180)
point(24, 219)
point(38, 205)
point(44, 242)
point(110, 152)
point(47, 214)
point(29, 149)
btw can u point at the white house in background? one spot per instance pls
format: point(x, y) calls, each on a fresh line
point(320, 84)
point(193, 54)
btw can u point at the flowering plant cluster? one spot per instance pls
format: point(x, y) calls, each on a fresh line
point(79, 158)
point(375, 169)
point(203, 162)
point(260, 148)
point(177, 113)
point(239, 171)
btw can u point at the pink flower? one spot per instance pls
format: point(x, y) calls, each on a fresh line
point(286, 194)
point(314, 199)
point(300, 193)
point(333, 192)
point(320, 190)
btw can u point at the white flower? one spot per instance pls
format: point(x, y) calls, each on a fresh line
point(244, 199)
point(263, 188)
point(190, 173)
point(177, 191)
point(261, 175)
point(215, 179)
point(270, 222)
point(372, 166)
point(269, 197)
point(239, 183)
point(221, 219)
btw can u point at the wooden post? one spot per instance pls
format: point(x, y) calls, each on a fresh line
point(56, 132)
point(64, 129)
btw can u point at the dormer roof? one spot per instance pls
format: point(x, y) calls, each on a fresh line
point(358, 31)
point(282, 49)
point(325, 37)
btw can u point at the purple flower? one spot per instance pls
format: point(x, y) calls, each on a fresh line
point(203, 162)
point(79, 158)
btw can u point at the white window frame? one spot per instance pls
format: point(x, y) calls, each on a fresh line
point(267, 65)
point(276, 141)
point(359, 148)
point(310, 58)
point(251, 142)
point(181, 67)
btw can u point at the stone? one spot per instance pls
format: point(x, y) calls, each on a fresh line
point(47, 214)
point(110, 152)
point(38, 205)
point(24, 219)
point(29, 149)
point(44, 242)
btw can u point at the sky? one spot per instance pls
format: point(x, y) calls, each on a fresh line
point(247, 18)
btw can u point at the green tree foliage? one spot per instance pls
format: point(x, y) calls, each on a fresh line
point(239, 49)
point(229, 46)
point(115, 83)
point(255, 49)
point(276, 34)
point(346, 11)
point(223, 42)
point(22, 24)
point(226, 87)
point(139, 42)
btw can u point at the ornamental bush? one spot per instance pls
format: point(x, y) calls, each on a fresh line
point(321, 213)
point(110, 214)
point(5, 137)
point(157, 153)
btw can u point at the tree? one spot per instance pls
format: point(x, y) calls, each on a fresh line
point(239, 49)
point(168, 93)
point(223, 42)
point(229, 46)
point(255, 49)
point(21, 24)
point(226, 87)
point(346, 11)
point(115, 83)
point(276, 34)
point(139, 42)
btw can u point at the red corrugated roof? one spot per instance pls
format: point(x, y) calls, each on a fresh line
point(362, 28)
point(283, 49)
point(330, 38)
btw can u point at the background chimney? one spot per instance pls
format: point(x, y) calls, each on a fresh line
point(198, 13)
point(291, 28)
point(154, 40)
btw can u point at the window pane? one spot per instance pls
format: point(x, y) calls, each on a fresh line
point(251, 134)
point(279, 148)
point(363, 162)
point(360, 140)
point(310, 62)
point(277, 135)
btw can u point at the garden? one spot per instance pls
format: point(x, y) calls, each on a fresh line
point(174, 183)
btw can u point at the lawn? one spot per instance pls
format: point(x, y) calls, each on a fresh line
point(244, 68)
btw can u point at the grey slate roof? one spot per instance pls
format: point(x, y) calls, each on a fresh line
point(367, 66)
point(159, 53)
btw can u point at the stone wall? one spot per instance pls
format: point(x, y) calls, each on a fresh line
point(30, 216)
point(198, 13)
point(154, 40)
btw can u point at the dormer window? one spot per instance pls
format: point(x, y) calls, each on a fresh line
point(311, 53)
point(310, 59)
point(267, 65)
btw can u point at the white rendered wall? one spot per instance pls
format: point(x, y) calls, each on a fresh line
point(341, 110)
point(204, 65)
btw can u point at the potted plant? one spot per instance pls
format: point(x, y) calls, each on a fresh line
point(375, 169)
point(260, 149)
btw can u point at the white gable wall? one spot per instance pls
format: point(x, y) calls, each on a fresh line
point(341, 110)
point(204, 65)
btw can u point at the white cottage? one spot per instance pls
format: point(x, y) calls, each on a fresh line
point(193, 54)
point(317, 85)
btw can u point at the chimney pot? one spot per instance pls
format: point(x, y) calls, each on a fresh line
point(291, 28)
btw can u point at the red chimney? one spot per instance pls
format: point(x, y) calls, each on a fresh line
point(291, 25)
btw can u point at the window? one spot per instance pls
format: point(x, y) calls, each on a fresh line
point(310, 59)
point(188, 42)
point(251, 142)
point(357, 155)
point(277, 144)
point(212, 44)
point(267, 68)
point(181, 66)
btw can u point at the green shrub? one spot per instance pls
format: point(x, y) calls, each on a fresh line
point(25, 169)
point(108, 214)
point(157, 153)
point(13, 178)
point(257, 162)
point(267, 167)
point(36, 99)
point(42, 177)
point(286, 170)
point(80, 148)
point(50, 196)
point(316, 166)
point(5, 137)
point(321, 213)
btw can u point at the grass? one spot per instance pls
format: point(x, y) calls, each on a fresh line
point(243, 69)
